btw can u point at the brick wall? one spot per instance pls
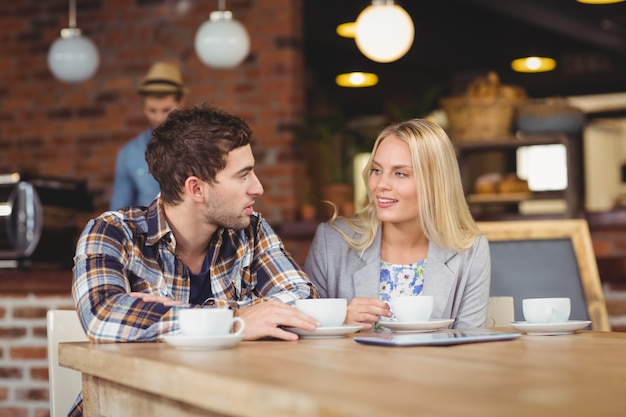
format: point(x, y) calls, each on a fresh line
point(609, 245)
point(75, 130)
point(23, 354)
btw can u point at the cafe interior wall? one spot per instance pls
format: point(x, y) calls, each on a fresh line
point(75, 130)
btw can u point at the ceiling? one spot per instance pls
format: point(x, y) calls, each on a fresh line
point(457, 40)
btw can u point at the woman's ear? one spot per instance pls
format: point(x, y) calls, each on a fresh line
point(194, 189)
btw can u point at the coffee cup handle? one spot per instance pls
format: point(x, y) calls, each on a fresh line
point(242, 325)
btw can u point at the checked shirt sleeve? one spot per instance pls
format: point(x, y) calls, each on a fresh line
point(106, 270)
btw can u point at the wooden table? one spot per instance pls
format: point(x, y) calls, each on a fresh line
point(568, 375)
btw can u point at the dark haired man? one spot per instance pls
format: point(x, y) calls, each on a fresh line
point(198, 244)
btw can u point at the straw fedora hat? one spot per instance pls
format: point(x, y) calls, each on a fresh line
point(163, 77)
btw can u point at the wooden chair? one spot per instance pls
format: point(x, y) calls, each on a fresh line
point(65, 384)
point(547, 258)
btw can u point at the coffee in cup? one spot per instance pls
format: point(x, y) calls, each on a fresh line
point(330, 312)
point(546, 310)
point(198, 322)
point(417, 308)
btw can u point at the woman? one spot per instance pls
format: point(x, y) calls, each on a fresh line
point(415, 236)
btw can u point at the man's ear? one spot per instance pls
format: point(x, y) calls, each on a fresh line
point(194, 189)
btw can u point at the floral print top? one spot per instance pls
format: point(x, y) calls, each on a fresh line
point(401, 280)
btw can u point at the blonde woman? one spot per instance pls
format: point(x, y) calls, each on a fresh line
point(415, 236)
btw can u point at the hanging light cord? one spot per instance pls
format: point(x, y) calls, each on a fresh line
point(72, 14)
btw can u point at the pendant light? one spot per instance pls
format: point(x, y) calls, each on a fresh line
point(221, 41)
point(72, 57)
point(533, 64)
point(356, 79)
point(384, 31)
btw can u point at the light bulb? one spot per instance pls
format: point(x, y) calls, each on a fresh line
point(384, 32)
point(221, 41)
point(72, 57)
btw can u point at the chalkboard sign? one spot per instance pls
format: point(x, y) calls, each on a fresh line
point(546, 258)
point(536, 269)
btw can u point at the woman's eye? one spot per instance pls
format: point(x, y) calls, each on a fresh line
point(375, 171)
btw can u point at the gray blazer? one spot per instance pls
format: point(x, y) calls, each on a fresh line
point(459, 281)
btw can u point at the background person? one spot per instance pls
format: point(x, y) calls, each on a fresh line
point(162, 91)
point(415, 236)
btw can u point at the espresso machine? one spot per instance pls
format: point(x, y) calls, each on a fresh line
point(38, 219)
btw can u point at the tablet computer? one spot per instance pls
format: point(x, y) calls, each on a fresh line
point(453, 337)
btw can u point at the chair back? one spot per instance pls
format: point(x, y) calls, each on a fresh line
point(65, 384)
point(500, 312)
point(546, 258)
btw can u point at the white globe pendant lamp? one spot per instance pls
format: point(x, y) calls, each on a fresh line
point(384, 31)
point(221, 41)
point(72, 57)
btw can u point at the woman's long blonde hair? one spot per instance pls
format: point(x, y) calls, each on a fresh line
point(444, 215)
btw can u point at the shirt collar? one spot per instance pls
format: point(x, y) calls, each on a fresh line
point(157, 224)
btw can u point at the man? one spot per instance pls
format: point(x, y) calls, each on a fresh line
point(162, 91)
point(199, 243)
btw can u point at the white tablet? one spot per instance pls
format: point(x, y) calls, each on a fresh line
point(453, 337)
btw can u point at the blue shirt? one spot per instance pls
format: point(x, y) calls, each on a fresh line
point(134, 185)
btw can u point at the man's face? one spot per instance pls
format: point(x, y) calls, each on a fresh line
point(230, 200)
point(156, 109)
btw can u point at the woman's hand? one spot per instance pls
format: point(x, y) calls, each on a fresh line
point(366, 311)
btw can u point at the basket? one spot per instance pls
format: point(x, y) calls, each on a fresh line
point(479, 118)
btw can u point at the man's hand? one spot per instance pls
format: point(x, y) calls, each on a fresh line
point(150, 298)
point(263, 320)
point(366, 311)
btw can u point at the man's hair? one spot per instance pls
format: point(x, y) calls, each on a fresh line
point(193, 142)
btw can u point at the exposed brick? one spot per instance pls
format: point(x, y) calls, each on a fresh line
point(27, 352)
point(616, 307)
point(40, 332)
point(10, 373)
point(13, 412)
point(4, 393)
point(33, 394)
point(30, 312)
point(39, 374)
point(12, 332)
point(108, 104)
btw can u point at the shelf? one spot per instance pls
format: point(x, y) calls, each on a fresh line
point(499, 198)
point(512, 142)
point(508, 145)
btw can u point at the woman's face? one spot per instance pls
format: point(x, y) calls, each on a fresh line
point(392, 182)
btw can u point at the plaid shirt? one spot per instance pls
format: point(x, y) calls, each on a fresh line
point(134, 250)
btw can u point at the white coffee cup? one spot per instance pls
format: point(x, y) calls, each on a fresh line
point(209, 322)
point(546, 310)
point(330, 312)
point(417, 308)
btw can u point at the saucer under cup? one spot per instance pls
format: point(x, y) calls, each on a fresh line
point(203, 322)
point(546, 310)
point(330, 312)
point(417, 308)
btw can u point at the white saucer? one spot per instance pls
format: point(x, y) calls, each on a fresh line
point(550, 329)
point(326, 332)
point(206, 342)
point(416, 326)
